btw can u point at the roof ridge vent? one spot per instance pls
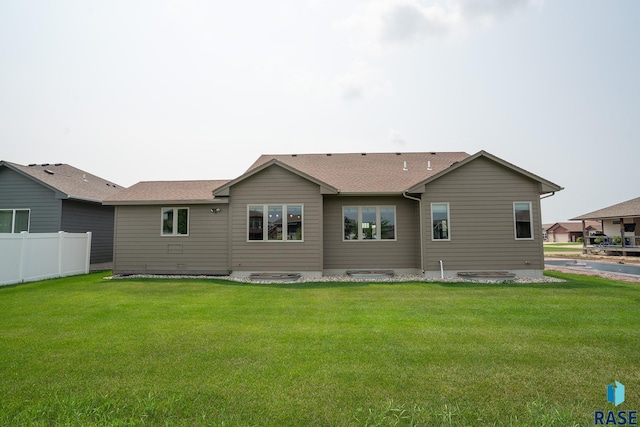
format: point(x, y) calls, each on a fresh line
point(363, 154)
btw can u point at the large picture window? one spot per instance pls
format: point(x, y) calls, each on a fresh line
point(440, 221)
point(522, 218)
point(14, 220)
point(278, 223)
point(175, 221)
point(369, 223)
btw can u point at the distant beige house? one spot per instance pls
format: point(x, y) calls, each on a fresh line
point(319, 214)
point(619, 226)
point(565, 232)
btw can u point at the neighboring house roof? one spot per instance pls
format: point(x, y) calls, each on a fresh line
point(156, 192)
point(360, 173)
point(67, 181)
point(574, 227)
point(630, 208)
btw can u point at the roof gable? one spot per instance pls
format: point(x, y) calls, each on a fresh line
point(324, 187)
point(67, 181)
point(546, 186)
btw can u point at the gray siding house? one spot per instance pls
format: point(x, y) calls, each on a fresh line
point(48, 198)
point(318, 214)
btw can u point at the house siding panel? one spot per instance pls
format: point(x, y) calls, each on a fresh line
point(481, 196)
point(80, 217)
point(403, 253)
point(275, 185)
point(139, 247)
point(20, 192)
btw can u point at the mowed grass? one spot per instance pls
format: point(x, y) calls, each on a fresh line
point(90, 351)
point(563, 247)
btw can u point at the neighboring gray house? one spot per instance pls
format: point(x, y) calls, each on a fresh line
point(318, 214)
point(48, 198)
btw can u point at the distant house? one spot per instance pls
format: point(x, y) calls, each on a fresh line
point(48, 198)
point(619, 225)
point(318, 214)
point(564, 232)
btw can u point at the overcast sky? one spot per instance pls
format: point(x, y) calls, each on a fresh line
point(188, 89)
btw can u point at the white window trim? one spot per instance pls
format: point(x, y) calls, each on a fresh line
point(265, 220)
point(378, 230)
point(448, 239)
point(13, 219)
point(515, 226)
point(175, 221)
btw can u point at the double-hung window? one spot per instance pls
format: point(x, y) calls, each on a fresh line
point(369, 223)
point(440, 221)
point(522, 220)
point(279, 223)
point(14, 220)
point(175, 221)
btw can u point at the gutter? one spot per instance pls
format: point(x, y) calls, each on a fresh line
point(548, 195)
point(406, 196)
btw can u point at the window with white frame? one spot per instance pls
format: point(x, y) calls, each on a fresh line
point(440, 221)
point(175, 221)
point(522, 220)
point(275, 222)
point(14, 220)
point(369, 223)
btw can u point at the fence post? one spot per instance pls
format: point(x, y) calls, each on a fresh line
point(87, 257)
point(23, 255)
point(60, 251)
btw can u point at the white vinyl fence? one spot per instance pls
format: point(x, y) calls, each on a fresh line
point(26, 257)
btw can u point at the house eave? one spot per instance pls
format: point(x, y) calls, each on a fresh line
point(164, 202)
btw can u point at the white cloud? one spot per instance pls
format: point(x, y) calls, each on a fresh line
point(396, 137)
point(361, 81)
point(384, 22)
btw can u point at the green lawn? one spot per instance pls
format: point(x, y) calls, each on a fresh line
point(89, 351)
point(563, 247)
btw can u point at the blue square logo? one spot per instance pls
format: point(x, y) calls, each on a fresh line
point(615, 393)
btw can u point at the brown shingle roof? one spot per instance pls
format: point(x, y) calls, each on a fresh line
point(149, 192)
point(68, 180)
point(630, 208)
point(370, 172)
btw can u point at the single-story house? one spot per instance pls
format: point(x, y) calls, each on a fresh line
point(565, 232)
point(620, 226)
point(317, 214)
point(48, 198)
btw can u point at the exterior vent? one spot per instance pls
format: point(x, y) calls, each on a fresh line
point(429, 165)
point(404, 166)
point(48, 171)
point(58, 164)
point(328, 154)
point(45, 164)
point(364, 154)
point(294, 155)
point(32, 165)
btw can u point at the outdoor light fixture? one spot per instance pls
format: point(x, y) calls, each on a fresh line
point(215, 210)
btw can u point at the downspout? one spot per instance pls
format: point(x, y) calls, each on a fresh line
point(406, 196)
